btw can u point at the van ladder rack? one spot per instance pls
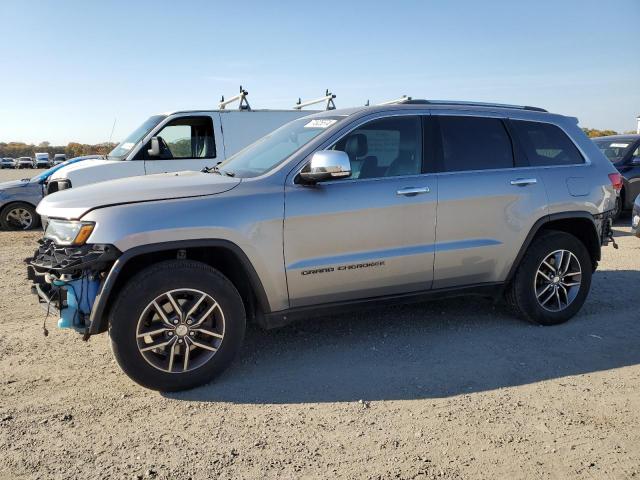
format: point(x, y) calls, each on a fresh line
point(328, 98)
point(241, 98)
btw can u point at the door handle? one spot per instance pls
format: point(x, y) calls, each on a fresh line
point(521, 182)
point(411, 191)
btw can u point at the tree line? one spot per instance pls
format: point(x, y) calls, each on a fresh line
point(72, 149)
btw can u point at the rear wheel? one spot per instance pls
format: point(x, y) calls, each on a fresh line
point(553, 279)
point(176, 325)
point(19, 216)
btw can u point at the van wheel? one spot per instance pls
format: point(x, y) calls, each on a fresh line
point(19, 216)
point(552, 280)
point(176, 325)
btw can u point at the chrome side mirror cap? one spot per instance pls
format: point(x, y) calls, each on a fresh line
point(326, 165)
point(154, 151)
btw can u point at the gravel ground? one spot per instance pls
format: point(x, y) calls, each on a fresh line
point(448, 389)
point(17, 174)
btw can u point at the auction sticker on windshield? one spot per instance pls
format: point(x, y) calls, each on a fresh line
point(320, 123)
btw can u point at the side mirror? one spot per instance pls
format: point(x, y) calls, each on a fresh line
point(325, 165)
point(635, 161)
point(154, 151)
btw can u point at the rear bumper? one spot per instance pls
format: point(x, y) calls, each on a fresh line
point(604, 223)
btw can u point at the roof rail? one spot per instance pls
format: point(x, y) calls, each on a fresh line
point(241, 97)
point(328, 98)
point(402, 100)
point(472, 104)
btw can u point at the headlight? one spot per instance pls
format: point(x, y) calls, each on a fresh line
point(64, 232)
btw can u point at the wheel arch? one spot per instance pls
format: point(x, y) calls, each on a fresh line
point(223, 255)
point(579, 224)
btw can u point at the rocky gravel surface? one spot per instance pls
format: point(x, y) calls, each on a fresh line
point(448, 389)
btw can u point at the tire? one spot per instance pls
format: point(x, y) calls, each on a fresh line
point(19, 216)
point(617, 211)
point(528, 283)
point(133, 314)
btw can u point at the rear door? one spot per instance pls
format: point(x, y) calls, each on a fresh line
point(186, 143)
point(368, 235)
point(488, 200)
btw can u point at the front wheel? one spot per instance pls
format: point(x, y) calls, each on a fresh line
point(176, 325)
point(552, 280)
point(19, 216)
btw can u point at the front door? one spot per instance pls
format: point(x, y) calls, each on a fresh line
point(368, 235)
point(186, 143)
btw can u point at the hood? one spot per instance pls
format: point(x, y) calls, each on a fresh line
point(72, 204)
point(14, 184)
point(79, 163)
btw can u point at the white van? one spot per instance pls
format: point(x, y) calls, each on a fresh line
point(177, 141)
point(42, 160)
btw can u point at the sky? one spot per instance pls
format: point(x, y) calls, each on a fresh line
point(70, 69)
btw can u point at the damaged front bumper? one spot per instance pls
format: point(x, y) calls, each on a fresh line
point(67, 279)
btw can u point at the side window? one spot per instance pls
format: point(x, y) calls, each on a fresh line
point(474, 143)
point(546, 144)
point(387, 147)
point(187, 137)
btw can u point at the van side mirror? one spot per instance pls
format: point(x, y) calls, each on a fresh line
point(326, 165)
point(154, 151)
point(635, 161)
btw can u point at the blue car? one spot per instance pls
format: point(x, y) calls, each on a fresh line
point(19, 198)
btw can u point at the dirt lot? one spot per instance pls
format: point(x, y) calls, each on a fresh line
point(450, 389)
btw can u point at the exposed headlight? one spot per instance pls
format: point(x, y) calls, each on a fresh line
point(65, 232)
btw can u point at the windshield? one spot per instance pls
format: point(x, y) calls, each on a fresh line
point(124, 147)
point(614, 150)
point(270, 151)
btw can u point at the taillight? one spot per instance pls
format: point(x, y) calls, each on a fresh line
point(616, 181)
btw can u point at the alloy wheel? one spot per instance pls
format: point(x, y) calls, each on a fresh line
point(558, 280)
point(180, 330)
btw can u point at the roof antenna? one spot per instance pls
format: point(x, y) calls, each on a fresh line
point(113, 127)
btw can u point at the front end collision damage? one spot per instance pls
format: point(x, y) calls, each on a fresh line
point(67, 280)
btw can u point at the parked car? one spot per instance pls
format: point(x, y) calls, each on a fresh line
point(58, 158)
point(8, 162)
point(42, 160)
point(19, 198)
point(635, 217)
point(624, 152)
point(185, 140)
point(388, 203)
point(24, 162)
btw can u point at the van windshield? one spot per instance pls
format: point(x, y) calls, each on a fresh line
point(273, 149)
point(124, 147)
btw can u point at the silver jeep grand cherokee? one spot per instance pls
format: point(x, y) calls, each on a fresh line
point(344, 207)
